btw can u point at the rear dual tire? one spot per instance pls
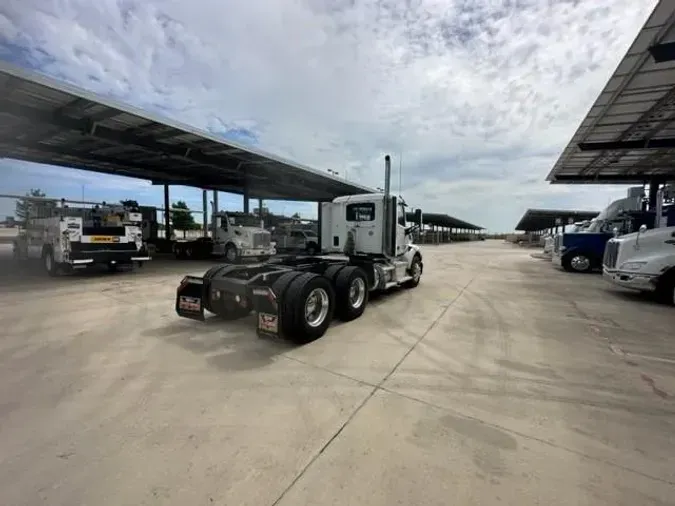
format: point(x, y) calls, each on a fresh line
point(306, 305)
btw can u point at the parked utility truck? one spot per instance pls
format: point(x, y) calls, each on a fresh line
point(645, 260)
point(366, 247)
point(234, 236)
point(583, 250)
point(294, 238)
point(67, 238)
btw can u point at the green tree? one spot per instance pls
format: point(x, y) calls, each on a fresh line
point(26, 208)
point(182, 219)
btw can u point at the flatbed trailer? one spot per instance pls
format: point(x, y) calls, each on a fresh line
point(295, 297)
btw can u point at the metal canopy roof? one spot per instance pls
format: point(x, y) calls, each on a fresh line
point(628, 136)
point(443, 220)
point(45, 121)
point(535, 220)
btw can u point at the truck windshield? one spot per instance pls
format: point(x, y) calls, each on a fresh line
point(244, 221)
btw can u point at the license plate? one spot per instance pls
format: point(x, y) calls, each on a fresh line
point(189, 303)
point(268, 323)
point(102, 238)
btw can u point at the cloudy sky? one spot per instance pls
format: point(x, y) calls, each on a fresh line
point(479, 96)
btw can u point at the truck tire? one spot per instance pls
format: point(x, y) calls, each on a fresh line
point(51, 266)
point(332, 271)
point(578, 262)
point(415, 271)
point(18, 252)
point(231, 254)
point(208, 276)
point(312, 249)
point(665, 290)
point(178, 252)
point(188, 252)
point(307, 308)
point(351, 293)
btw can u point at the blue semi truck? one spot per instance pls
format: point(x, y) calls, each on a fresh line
point(583, 251)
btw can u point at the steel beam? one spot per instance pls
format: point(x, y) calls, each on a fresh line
point(167, 213)
point(627, 145)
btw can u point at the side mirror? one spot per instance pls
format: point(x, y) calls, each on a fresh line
point(643, 229)
point(418, 217)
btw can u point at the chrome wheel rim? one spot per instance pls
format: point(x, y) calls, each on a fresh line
point(231, 254)
point(416, 271)
point(316, 307)
point(580, 263)
point(357, 292)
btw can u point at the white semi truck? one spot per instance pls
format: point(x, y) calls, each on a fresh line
point(645, 260)
point(234, 236)
point(69, 238)
point(366, 247)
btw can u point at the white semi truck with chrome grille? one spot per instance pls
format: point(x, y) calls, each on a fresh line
point(234, 236)
point(645, 260)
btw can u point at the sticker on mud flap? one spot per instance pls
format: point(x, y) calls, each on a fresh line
point(189, 303)
point(268, 322)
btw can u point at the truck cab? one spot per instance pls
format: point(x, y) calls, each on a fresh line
point(582, 251)
point(234, 235)
point(645, 260)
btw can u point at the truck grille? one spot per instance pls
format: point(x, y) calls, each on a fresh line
point(611, 254)
point(261, 240)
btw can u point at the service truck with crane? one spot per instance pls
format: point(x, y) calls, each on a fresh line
point(68, 238)
point(645, 260)
point(366, 246)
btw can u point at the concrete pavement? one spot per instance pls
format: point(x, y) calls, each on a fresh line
point(498, 380)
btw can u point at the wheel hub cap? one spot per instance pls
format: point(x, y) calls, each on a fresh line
point(417, 271)
point(357, 292)
point(580, 263)
point(316, 307)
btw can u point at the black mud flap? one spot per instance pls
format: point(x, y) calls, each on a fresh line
point(190, 298)
point(265, 304)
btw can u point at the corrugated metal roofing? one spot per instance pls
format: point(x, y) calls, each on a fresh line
point(535, 220)
point(443, 220)
point(45, 121)
point(637, 104)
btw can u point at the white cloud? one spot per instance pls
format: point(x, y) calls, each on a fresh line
point(479, 95)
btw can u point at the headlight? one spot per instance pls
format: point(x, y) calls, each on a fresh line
point(632, 266)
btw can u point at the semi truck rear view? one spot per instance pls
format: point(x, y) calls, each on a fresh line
point(366, 247)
